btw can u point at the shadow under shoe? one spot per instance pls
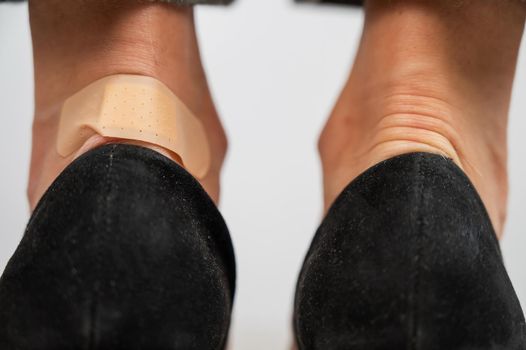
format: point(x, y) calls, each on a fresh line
point(407, 258)
point(124, 251)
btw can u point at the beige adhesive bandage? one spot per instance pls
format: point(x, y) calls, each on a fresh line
point(137, 108)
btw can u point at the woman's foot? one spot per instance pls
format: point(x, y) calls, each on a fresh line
point(429, 76)
point(78, 42)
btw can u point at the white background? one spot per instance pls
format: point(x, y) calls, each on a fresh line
point(275, 69)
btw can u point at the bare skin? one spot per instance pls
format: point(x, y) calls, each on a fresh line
point(78, 42)
point(431, 76)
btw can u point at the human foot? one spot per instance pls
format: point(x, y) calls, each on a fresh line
point(431, 77)
point(76, 43)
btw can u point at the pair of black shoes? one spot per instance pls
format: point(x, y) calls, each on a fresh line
point(127, 251)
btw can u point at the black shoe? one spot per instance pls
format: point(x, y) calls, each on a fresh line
point(124, 251)
point(407, 258)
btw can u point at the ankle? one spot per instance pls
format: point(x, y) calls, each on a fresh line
point(77, 43)
point(427, 78)
point(367, 127)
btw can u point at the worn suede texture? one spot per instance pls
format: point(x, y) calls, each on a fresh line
point(124, 251)
point(407, 258)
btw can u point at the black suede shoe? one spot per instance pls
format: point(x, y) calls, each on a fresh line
point(124, 251)
point(407, 258)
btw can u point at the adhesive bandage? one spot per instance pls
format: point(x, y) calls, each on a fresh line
point(137, 108)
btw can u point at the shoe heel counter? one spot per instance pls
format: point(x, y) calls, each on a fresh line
point(126, 250)
point(407, 256)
